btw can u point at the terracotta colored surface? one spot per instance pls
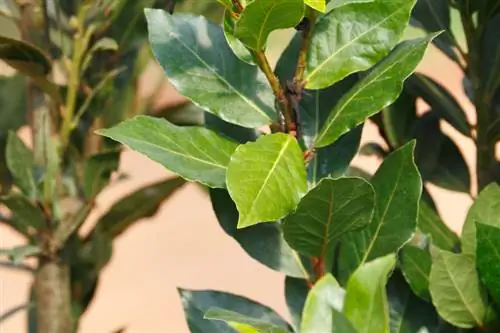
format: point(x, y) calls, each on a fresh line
point(184, 246)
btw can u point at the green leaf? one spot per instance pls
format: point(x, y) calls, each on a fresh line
point(13, 111)
point(333, 4)
point(204, 69)
point(195, 153)
point(455, 289)
point(366, 304)
point(27, 217)
point(264, 242)
point(97, 172)
point(20, 253)
point(319, 5)
point(398, 188)
point(143, 203)
point(440, 100)
point(241, 323)
point(196, 303)
point(228, 4)
point(266, 178)
point(6, 315)
point(296, 291)
point(431, 224)
point(488, 257)
point(379, 24)
point(486, 210)
point(261, 17)
point(323, 308)
point(24, 57)
point(399, 119)
point(377, 90)
point(326, 213)
point(20, 162)
point(239, 49)
point(408, 313)
point(415, 264)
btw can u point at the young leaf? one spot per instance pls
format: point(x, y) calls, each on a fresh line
point(323, 309)
point(20, 162)
point(319, 5)
point(296, 291)
point(378, 89)
point(379, 24)
point(239, 49)
point(431, 224)
point(266, 178)
point(97, 172)
point(196, 303)
point(328, 211)
point(143, 203)
point(415, 264)
point(27, 217)
point(455, 289)
point(264, 241)
point(261, 17)
point(488, 257)
point(195, 153)
point(204, 69)
point(486, 210)
point(241, 323)
point(397, 184)
point(366, 303)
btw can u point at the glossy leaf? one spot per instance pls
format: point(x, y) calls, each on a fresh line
point(204, 69)
point(488, 257)
point(332, 57)
point(415, 264)
point(327, 212)
point(440, 100)
point(24, 57)
point(243, 323)
point(195, 153)
point(266, 178)
point(397, 184)
point(197, 302)
point(264, 242)
point(143, 203)
point(296, 291)
point(378, 89)
point(261, 17)
point(319, 5)
point(21, 164)
point(97, 172)
point(486, 210)
point(26, 216)
point(323, 308)
point(431, 224)
point(399, 119)
point(239, 49)
point(333, 4)
point(455, 289)
point(366, 304)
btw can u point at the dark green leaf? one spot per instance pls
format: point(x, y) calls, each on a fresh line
point(399, 119)
point(431, 224)
point(261, 17)
point(455, 289)
point(264, 242)
point(408, 313)
point(266, 178)
point(488, 257)
point(372, 148)
point(415, 264)
point(323, 308)
point(366, 299)
point(398, 188)
point(378, 89)
point(235, 132)
point(241, 323)
point(20, 162)
point(26, 216)
point(186, 114)
point(203, 68)
point(195, 153)
point(490, 59)
point(494, 132)
point(13, 111)
point(98, 171)
point(333, 57)
point(327, 212)
point(196, 303)
point(440, 100)
point(486, 210)
point(296, 291)
point(138, 205)
point(24, 57)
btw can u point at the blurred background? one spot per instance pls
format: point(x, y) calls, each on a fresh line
point(183, 245)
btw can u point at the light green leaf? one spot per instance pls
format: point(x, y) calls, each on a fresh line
point(377, 90)
point(97, 172)
point(266, 178)
point(241, 323)
point(239, 49)
point(415, 264)
point(328, 211)
point(228, 4)
point(398, 188)
point(198, 61)
point(486, 210)
point(364, 33)
point(323, 308)
point(488, 257)
point(20, 253)
point(333, 4)
point(366, 303)
point(20, 162)
point(319, 5)
point(261, 17)
point(195, 153)
point(455, 289)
